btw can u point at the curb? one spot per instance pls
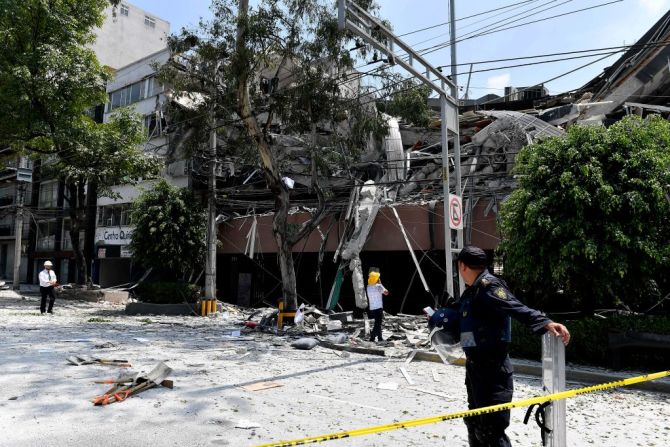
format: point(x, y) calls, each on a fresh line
point(571, 375)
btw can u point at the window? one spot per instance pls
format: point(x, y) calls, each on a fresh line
point(46, 235)
point(133, 93)
point(150, 22)
point(48, 195)
point(114, 215)
point(151, 125)
point(124, 10)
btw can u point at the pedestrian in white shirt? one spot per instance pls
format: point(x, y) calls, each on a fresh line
point(48, 281)
point(375, 293)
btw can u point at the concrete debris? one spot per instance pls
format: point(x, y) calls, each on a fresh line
point(391, 386)
point(490, 141)
point(305, 343)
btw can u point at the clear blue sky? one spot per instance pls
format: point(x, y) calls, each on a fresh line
point(611, 25)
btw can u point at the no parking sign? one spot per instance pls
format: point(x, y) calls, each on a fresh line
point(455, 212)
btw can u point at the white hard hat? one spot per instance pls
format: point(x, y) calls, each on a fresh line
point(48, 264)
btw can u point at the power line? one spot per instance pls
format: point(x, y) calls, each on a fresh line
point(486, 19)
point(465, 18)
point(485, 33)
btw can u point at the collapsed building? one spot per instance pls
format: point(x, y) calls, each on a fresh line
point(389, 205)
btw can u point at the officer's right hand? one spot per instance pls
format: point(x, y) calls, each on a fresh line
point(560, 331)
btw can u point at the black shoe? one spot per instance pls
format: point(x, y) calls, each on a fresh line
point(50, 311)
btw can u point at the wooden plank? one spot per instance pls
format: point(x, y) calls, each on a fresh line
point(356, 349)
point(258, 386)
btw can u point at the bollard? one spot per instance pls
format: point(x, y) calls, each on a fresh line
point(203, 307)
point(553, 379)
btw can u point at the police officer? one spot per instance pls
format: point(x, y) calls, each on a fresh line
point(485, 334)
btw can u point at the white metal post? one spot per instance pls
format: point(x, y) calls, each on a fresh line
point(553, 378)
point(456, 134)
point(449, 263)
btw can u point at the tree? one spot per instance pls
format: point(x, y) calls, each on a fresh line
point(590, 215)
point(50, 81)
point(99, 156)
point(169, 233)
point(282, 66)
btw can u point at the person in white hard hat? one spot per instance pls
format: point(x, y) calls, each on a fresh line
point(47, 279)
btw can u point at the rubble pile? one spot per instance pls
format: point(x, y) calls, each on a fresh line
point(489, 141)
point(340, 331)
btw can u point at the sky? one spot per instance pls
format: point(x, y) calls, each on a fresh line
point(616, 24)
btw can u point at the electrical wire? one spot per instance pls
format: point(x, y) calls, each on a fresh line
point(465, 18)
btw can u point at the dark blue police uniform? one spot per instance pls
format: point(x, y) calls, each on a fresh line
point(486, 309)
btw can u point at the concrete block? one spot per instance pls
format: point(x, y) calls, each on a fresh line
point(115, 296)
point(161, 309)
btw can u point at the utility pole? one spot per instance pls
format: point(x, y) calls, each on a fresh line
point(212, 234)
point(24, 175)
point(18, 235)
point(357, 20)
point(457, 142)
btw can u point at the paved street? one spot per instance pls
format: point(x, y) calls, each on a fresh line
point(321, 392)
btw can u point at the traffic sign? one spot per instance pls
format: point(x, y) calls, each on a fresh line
point(455, 212)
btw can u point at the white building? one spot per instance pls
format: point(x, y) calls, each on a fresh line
point(135, 86)
point(129, 34)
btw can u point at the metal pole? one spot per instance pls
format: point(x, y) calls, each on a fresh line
point(18, 236)
point(210, 264)
point(553, 378)
point(449, 264)
point(457, 143)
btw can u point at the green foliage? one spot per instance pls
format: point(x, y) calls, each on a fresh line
point(49, 77)
point(167, 293)
point(105, 154)
point(589, 340)
point(408, 100)
point(591, 216)
point(170, 229)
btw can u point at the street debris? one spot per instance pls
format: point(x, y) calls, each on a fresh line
point(129, 385)
point(259, 386)
point(305, 343)
point(79, 360)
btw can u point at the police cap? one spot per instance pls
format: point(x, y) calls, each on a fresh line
point(473, 256)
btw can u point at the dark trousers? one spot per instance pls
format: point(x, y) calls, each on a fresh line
point(378, 315)
point(489, 382)
point(47, 292)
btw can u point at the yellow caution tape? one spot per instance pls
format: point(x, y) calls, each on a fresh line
point(463, 414)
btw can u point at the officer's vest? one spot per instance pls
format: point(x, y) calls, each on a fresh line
point(482, 326)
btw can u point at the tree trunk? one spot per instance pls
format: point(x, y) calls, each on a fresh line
point(89, 231)
point(77, 223)
point(269, 164)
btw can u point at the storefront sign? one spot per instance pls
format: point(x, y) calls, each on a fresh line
point(114, 235)
point(125, 252)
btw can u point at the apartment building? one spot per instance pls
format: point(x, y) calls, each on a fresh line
point(128, 34)
point(134, 86)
